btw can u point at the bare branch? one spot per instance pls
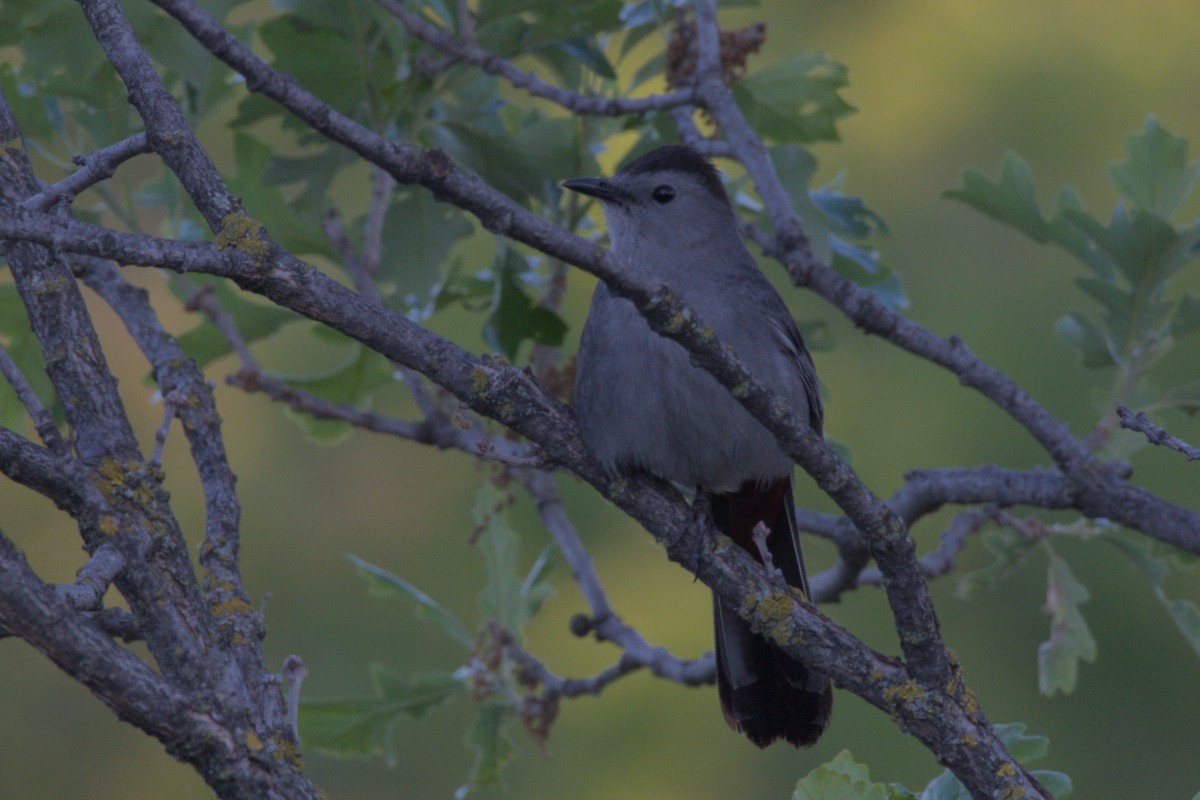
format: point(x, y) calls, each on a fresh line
point(99, 166)
point(294, 673)
point(93, 579)
point(940, 561)
point(171, 402)
point(175, 373)
point(604, 622)
point(1154, 434)
point(138, 694)
point(202, 300)
point(43, 420)
point(442, 432)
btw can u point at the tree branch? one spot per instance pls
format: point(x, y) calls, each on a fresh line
point(42, 617)
point(1154, 434)
point(468, 52)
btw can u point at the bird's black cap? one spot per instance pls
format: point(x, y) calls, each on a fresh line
point(678, 158)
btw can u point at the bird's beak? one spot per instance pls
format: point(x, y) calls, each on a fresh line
point(599, 188)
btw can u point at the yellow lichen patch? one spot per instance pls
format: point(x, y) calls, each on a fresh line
point(1006, 771)
point(244, 233)
point(775, 612)
point(906, 692)
point(286, 751)
point(675, 323)
point(108, 525)
point(233, 605)
point(253, 742)
point(970, 703)
point(969, 740)
point(479, 381)
point(114, 478)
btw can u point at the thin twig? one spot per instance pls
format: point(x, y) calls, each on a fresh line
point(1154, 434)
point(43, 420)
point(466, 51)
point(97, 167)
point(203, 299)
point(940, 561)
point(171, 403)
point(439, 431)
point(605, 623)
point(294, 673)
point(760, 534)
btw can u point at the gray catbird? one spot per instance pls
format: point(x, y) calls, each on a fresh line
point(642, 404)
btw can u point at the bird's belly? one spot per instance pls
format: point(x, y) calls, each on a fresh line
point(671, 419)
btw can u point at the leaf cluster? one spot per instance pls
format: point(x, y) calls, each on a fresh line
point(499, 683)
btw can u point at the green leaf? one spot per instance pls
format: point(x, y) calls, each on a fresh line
point(515, 318)
point(1186, 318)
point(795, 100)
point(1156, 176)
point(1118, 307)
point(1141, 551)
point(850, 215)
point(510, 27)
point(653, 68)
point(1185, 397)
point(1012, 200)
point(315, 173)
point(795, 166)
point(491, 743)
point(1023, 749)
point(1092, 342)
point(473, 291)
point(1057, 783)
point(361, 725)
point(1071, 640)
point(419, 233)
point(1186, 617)
point(525, 159)
point(1008, 550)
point(569, 55)
point(536, 588)
point(509, 598)
point(29, 105)
point(843, 778)
point(299, 231)
point(1142, 245)
point(320, 59)
point(384, 584)
point(945, 787)
point(864, 268)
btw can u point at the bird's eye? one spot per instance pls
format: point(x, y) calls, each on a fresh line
point(663, 194)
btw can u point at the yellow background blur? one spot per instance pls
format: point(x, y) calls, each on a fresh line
point(940, 85)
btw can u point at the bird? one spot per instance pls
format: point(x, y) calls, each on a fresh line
point(643, 405)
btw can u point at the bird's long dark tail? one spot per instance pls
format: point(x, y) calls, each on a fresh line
point(765, 693)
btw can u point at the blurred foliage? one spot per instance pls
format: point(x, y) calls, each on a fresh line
point(842, 778)
point(1139, 293)
point(493, 679)
point(1132, 259)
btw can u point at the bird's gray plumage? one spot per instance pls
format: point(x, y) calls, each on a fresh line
point(643, 405)
point(641, 402)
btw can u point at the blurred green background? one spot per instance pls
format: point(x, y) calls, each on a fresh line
point(940, 86)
